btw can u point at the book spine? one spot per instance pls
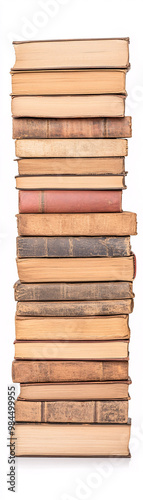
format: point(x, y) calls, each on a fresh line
point(77, 308)
point(75, 148)
point(73, 247)
point(68, 371)
point(72, 411)
point(70, 128)
point(73, 291)
point(69, 201)
point(115, 224)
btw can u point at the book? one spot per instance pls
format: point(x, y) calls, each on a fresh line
point(105, 290)
point(72, 328)
point(69, 371)
point(68, 201)
point(76, 269)
point(86, 53)
point(76, 166)
point(63, 246)
point(71, 148)
point(77, 308)
point(71, 182)
point(69, 350)
point(72, 411)
point(77, 81)
point(76, 391)
point(112, 105)
point(36, 128)
point(94, 224)
point(87, 440)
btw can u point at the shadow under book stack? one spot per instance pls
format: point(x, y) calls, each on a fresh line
point(74, 260)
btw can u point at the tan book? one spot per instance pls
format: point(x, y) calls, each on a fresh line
point(76, 269)
point(71, 328)
point(76, 391)
point(93, 224)
point(69, 371)
point(71, 147)
point(72, 166)
point(72, 411)
point(71, 439)
point(78, 106)
point(71, 182)
point(71, 350)
point(57, 82)
point(86, 53)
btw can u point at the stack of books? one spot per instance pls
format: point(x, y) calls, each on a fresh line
point(74, 259)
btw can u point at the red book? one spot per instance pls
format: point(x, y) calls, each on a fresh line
point(69, 201)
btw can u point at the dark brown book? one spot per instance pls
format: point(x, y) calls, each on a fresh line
point(42, 128)
point(104, 246)
point(72, 291)
point(68, 371)
point(115, 224)
point(78, 440)
point(72, 411)
point(69, 201)
point(77, 308)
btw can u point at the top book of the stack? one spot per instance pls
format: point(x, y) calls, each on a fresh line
point(72, 54)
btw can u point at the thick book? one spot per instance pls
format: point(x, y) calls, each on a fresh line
point(77, 106)
point(72, 291)
point(68, 201)
point(59, 246)
point(74, 166)
point(72, 328)
point(68, 350)
point(94, 224)
point(68, 82)
point(75, 148)
point(76, 391)
point(36, 128)
point(86, 53)
point(69, 371)
point(106, 412)
point(71, 182)
point(77, 308)
point(76, 269)
point(79, 440)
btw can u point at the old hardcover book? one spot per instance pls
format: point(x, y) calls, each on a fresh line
point(68, 201)
point(69, 350)
point(77, 308)
point(77, 81)
point(75, 391)
point(72, 411)
point(94, 224)
point(81, 269)
point(59, 246)
point(76, 166)
point(75, 148)
point(73, 291)
point(71, 182)
point(86, 53)
point(72, 328)
point(36, 128)
point(69, 371)
point(77, 106)
point(87, 440)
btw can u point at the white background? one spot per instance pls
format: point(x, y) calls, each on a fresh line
point(60, 479)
